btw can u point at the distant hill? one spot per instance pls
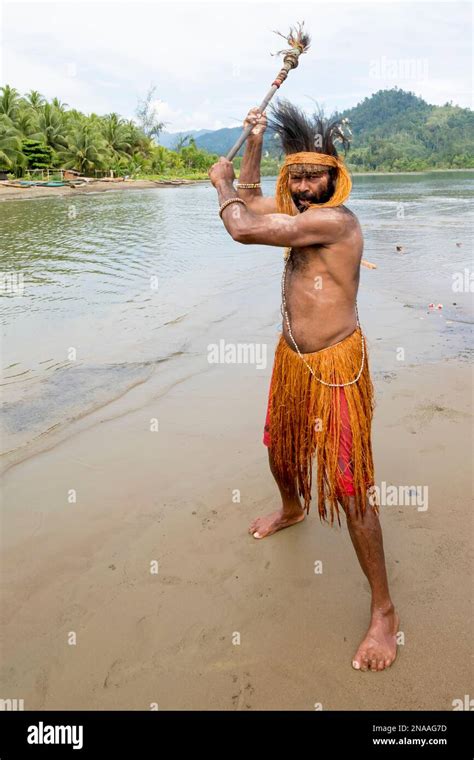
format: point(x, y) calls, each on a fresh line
point(169, 139)
point(392, 130)
point(396, 130)
point(222, 140)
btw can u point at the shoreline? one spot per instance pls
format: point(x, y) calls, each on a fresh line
point(8, 192)
point(411, 318)
point(395, 174)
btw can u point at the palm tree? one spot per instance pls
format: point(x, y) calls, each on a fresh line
point(85, 150)
point(56, 103)
point(159, 160)
point(10, 144)
point(9, 101)
point(27, 124)
point(137, 138)
point(35, 100)
point(74, 115)
point(115, 133)
point(51, 125)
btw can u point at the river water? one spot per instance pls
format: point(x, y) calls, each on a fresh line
point(110, 291)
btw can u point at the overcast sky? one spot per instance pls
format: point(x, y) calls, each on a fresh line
point(211, 61)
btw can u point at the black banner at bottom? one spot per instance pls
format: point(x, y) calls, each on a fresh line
point(380, 734)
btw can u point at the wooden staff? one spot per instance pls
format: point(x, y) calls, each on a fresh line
point(299, 44)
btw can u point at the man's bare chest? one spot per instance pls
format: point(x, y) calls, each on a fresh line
point(307, 260)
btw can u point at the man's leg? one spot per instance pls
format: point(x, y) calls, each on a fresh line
point(290, 513)
point(291, 510)
point(378, 648)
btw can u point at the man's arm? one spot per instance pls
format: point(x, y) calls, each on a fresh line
point(250, 167)
point(325, 225)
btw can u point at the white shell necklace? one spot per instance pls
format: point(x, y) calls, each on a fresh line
point(285, 314)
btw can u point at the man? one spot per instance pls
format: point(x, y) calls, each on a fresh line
point(321, 396)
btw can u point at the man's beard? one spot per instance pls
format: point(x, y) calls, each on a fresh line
point(323, 197)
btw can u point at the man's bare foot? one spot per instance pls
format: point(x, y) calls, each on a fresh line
point(378, 649)
point(265, 526)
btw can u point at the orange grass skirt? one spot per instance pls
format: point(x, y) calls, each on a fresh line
point(304, 422)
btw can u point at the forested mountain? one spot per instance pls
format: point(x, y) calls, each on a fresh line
point(392, 130)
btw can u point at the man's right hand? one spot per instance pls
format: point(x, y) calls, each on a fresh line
point(258, 120)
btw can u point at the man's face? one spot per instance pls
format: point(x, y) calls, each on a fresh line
point(310, 186)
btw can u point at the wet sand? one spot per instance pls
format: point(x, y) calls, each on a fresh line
point(7, 192)
point(183, 496)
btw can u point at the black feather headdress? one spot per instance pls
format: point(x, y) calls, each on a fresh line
point(298, 132)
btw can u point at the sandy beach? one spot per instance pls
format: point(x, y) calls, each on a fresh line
point(131, 474)
point(7, 192)
point(169, 497)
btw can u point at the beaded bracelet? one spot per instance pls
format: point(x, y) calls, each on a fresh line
point(248, 185)
point(226, 203)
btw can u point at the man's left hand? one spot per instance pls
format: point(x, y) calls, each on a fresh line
point(223, 170)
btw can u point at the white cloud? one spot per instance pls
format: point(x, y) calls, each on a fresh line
point(179, 121)
point(26, 72)
point(211, 62)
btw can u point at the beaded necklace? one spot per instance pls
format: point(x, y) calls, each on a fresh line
point(285, 314)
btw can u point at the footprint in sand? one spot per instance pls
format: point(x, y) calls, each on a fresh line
point(120, 672)
point(241, 700)
point(170, 580)
point(425, 413)
point(41, 686)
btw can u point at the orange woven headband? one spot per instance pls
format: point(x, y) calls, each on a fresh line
point(342, 191)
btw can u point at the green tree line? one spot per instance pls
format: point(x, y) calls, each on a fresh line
point(392, 130)
point(37, 134)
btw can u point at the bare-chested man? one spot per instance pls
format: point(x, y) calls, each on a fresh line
point(325, 242)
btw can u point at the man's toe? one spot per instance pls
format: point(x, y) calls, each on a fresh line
point(373, 663)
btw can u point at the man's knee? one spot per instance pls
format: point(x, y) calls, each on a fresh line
point(354, 515)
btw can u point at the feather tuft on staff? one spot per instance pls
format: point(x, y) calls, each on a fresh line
point(297, 38)
point(299, 41)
